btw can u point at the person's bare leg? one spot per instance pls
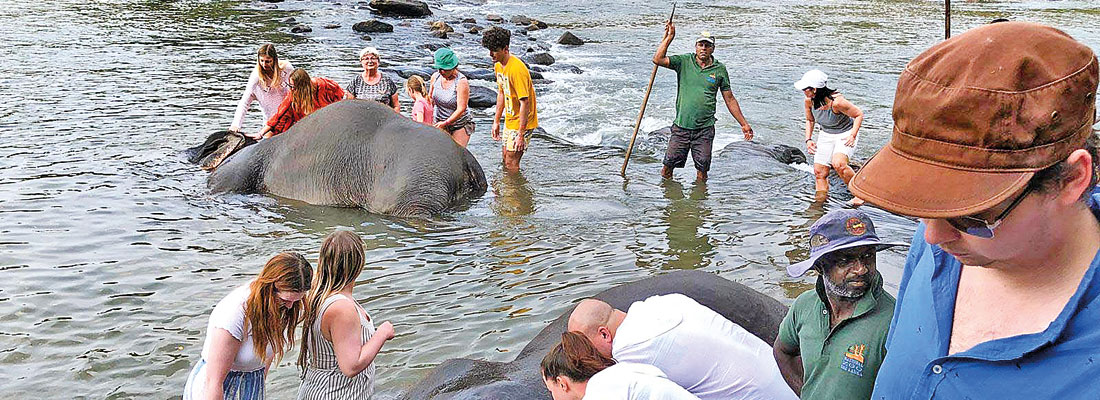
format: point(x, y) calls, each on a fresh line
point(511, 160)
point(845, 171)
point(666, 172)
point(461, 137)
point(821, 182)
point(700, 176)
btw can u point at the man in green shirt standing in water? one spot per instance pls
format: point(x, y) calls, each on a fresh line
point(699, 78)
point(833, 340)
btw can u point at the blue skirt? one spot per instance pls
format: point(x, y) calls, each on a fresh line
point(238, 385)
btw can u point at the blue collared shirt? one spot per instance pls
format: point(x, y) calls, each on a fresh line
point(1061, 362)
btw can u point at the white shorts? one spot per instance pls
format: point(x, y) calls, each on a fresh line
point(833, 143)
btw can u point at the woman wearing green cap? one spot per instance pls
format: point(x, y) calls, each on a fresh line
point(450, 94)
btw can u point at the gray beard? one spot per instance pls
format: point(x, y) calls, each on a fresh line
point(847, 293)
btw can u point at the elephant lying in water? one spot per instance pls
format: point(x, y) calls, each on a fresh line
point(466, 379)
point(357, 153)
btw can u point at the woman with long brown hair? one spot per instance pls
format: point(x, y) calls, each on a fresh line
point(575, 370)
point(339, 341)
point(249, 329)
point(306, 96)
point(268, 84)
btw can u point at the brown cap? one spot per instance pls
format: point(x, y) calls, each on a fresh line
point(976, 115)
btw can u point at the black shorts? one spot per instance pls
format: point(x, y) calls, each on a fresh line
point(699, 141)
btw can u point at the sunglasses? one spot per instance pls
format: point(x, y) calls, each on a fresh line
point(979, 227)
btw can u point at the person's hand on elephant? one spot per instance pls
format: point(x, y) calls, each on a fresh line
point(495, 132)
point(385, 330)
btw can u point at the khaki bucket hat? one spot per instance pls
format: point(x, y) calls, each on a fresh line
point(977, 115)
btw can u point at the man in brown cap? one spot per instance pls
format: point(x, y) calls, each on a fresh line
point(993, 148)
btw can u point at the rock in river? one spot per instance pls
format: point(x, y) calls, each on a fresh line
point(482, 97)
point(404, 8)
point(372, 26)
point(300, 29)
point(569, 38)
point(542, 58)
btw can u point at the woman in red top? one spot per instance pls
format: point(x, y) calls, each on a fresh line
point(306, 96)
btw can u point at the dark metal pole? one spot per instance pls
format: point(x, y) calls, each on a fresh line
point(946, 19)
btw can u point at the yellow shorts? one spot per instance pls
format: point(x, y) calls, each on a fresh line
point(509, 138)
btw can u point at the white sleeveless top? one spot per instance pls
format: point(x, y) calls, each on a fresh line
point(323, 379)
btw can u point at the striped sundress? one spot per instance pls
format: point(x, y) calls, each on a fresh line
point(323, 379)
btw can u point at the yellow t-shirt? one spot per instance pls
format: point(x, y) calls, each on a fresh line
point(515, 82)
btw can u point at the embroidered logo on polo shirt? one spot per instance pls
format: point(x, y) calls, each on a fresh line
point(712, 78)
point(855, 226)
point(853, 359)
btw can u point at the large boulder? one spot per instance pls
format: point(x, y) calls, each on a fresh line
point(568, 38)
point(541, 58)
point(403, 8)
point(372, 26)
point(482, 97)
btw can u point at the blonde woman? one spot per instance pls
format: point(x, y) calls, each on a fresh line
point(248, 330)
point(371, 84)
point(306, 96)
point(268, 84)
point(422, 109)
point(339, 341)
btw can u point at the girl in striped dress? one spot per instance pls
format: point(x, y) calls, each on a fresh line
point(248, 329)
point(339, 341)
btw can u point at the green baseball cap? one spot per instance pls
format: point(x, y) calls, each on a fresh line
point(445, 59)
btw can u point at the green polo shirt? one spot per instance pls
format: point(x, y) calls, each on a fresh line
point(697, 89)
point(840, 363)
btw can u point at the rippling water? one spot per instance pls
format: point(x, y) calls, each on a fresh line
point(112, 253)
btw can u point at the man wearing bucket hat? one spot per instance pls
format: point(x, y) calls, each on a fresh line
point(833, 339)
point(450, 93)
point(993, 148)
point(699, 77)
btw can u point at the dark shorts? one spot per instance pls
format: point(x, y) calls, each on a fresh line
point(699, 141)
point(468, 124)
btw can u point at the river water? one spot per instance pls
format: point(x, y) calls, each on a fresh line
point(112, 252)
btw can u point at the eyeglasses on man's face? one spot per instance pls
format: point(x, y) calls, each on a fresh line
point(980, 227)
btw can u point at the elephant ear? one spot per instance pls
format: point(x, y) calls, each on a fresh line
point(475, 176)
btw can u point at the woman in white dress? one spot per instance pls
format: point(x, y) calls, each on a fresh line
point(339, 342)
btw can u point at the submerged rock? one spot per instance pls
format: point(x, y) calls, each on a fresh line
point(290, 20)
point(332, 26)
point(366, 37)
point(404, 8)
point(300, 29)
point(475, 29)
point(494, 18)
point(469, 21)
point(540, 24)
point(520, 20)
point(568, 38)
point(532, 27)
point(439, 34)
point(372, 26)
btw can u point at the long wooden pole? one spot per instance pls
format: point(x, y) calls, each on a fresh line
point(641, 113)
point(946, 19)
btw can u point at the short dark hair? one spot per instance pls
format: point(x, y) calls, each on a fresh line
point(496, 38)
point(1053, 177)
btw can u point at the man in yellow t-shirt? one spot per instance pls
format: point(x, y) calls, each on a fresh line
point(515, 97)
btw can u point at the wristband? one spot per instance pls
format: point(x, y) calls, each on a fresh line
point(809, 139)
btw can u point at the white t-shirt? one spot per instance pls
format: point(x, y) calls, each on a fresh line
point(699, 350)
point(630, 381)
point(229, 315)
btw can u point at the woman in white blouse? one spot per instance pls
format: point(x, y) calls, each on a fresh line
point(268, 84)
